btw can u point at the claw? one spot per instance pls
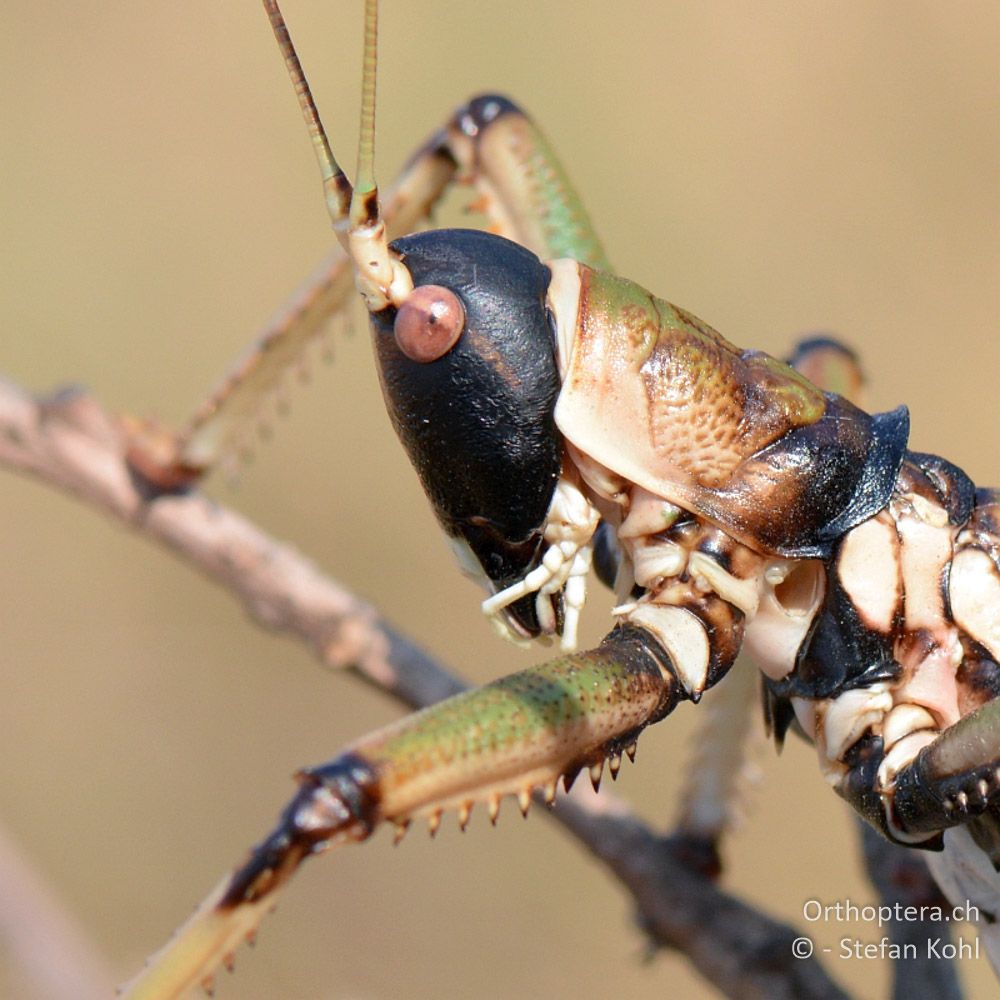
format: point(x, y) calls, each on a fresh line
point(550, 792)
point(596, 772)
point(384, 778)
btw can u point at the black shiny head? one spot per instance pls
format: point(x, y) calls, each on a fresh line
point(477, 421)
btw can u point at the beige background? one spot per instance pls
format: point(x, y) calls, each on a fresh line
point(774, 167)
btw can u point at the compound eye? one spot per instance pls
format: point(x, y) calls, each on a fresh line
point(429, 323)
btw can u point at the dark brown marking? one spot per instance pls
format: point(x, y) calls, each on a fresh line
point(369, 205)
point(978, 677)
point(339, 800)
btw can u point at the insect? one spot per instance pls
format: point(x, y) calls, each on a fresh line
point(326, 736)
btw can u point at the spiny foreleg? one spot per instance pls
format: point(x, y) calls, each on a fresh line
point(519, 734)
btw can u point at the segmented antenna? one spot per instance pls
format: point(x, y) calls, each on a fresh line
point(336, 187)
point(364, 204)
point(381, 279)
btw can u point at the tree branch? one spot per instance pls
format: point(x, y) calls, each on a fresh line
point(70, 442)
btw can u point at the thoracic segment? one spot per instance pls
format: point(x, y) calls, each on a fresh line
point(877, 653)
point(658, 397)
point(892, 653)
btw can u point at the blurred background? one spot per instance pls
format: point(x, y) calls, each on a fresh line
point(776, 168)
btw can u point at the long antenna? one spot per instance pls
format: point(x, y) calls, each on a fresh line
point(364, 204)
point(380, 277)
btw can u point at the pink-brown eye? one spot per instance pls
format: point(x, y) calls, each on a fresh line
point(429, 323)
